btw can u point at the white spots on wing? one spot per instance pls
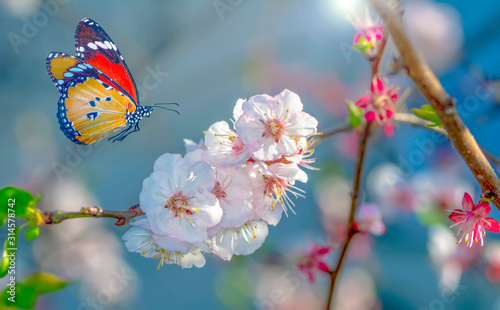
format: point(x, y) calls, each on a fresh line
point(50, 55)
point(82, 66)
point(55, 55)
point(101, 45)
point(91, 23)
point(81, 48)
point(92, 46)
point(76, 70)
point(108, 44)
point(60, 82)
point(114, 46)
point(85, 20)
point(68, 74)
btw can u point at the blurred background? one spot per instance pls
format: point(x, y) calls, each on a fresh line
point(205, 55)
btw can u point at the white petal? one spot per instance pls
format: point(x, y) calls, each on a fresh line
point(167, 163)
point(203, 177)
point(149, 198)
point(268, 151)
point(302, 124)
point(238, 109)
point(237, 204)
point(171, 244)
point(191, 146)
point(289, 101)
point(243, 240)
point(259, 107)
point(286, 146)
point(140, 240)
point(262, 208)
point(250, 132)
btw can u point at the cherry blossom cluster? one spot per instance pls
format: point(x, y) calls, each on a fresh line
point(222, 195)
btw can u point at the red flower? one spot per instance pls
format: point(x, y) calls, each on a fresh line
point(473, 220)
point(314, 261)
point(379, 104)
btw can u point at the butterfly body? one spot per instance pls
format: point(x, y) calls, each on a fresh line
point(98, 95)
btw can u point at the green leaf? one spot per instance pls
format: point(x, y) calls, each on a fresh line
point(427, 113)
point(355, 114)
point(22, 297)
point(26, 292)
point(18, 202)
point(9, 250)
point(31, 233)
point(45, 283)
point(4, 263)
point(363, 45)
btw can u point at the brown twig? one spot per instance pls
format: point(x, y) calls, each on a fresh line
point(354, 201)
point(444, 105)
point(56, 217)
point(377, 60)
point(343, 127)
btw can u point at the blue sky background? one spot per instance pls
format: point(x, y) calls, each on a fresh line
point(212, 60)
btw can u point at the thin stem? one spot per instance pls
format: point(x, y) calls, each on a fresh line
point(444, 105)
point(123, 217)
point(416, 121)
point(377, 60)
point(342, 127)
point(354, 201)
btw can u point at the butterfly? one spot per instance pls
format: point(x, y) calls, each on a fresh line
point(98, 95)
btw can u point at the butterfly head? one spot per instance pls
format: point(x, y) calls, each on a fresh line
point(139, 114)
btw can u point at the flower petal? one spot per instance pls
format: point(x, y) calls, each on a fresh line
point(370, 116)
point(482, 209)
point(323, 267)
point(363, 101)
point(491, 225)
point(457, 217)
point(467, 202)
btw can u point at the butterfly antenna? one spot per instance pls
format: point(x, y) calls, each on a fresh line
point(161, 103)
point(158, 105)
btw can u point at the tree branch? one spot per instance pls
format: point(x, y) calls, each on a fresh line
point(354, 201)
point(56, 217)
point(444, 105)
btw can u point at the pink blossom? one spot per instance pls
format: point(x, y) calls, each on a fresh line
point(369, 219)
point(314, 260)
point(473, 220)
point(370, 34)
point(379, 104)
point(270, 126)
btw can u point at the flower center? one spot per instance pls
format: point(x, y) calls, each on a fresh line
point(179, 204)
point(237, 145)
point(274, 129)
point(275, 188)
point(218, 191)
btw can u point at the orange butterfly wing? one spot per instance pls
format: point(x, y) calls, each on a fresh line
point(89, 109)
